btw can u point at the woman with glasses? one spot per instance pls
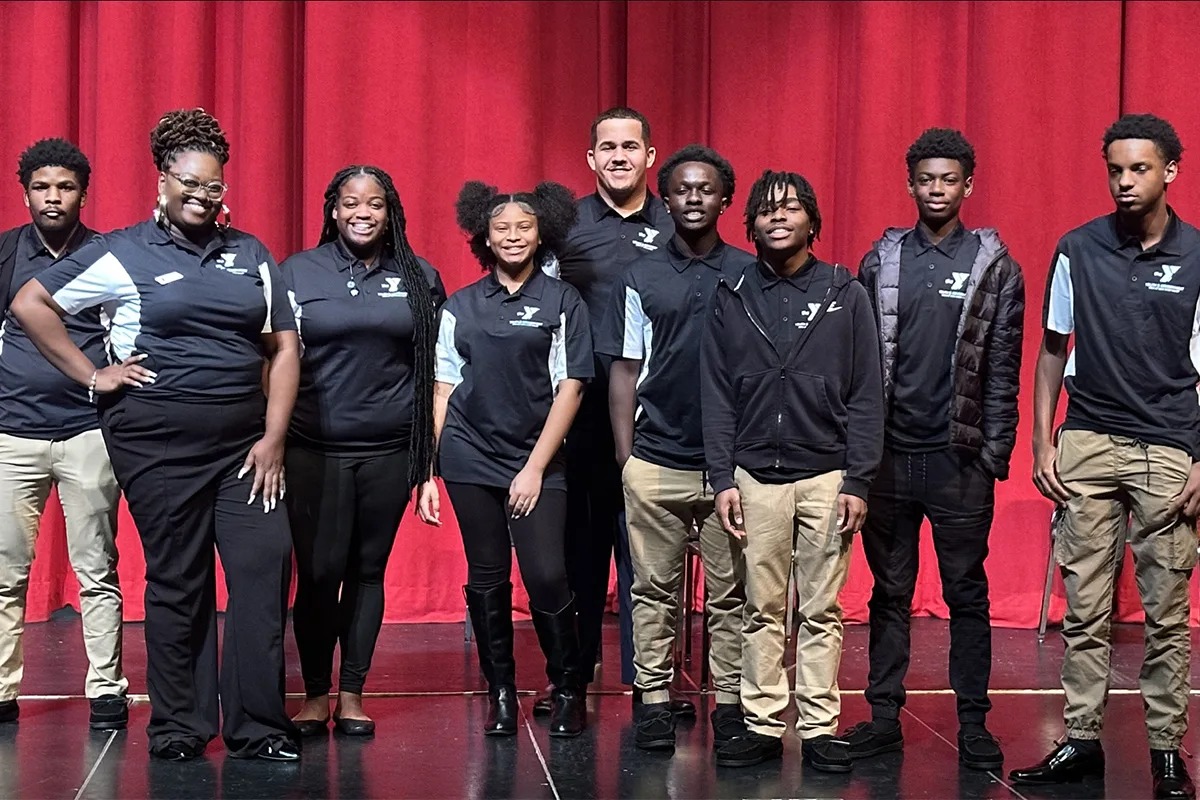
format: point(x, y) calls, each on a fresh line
point(196, 307)
point(362, 433)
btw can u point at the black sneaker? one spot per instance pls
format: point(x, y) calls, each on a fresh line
point(748, 750)
point(978, 749)
point(728, 723)
point(656, 727)
point(867, 739)
point(9, 711)
point(826, 754)
point(110, 712)
point(178, 751)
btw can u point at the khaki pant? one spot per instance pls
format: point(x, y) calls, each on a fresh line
point(661, 505)
point(89, 495)
point(805, 511)
point(1109, 478)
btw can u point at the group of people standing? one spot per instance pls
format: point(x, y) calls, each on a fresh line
point(620, 380)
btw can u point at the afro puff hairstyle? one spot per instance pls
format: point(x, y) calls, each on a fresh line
point(54, 153)
point(1146, 126)
point(552, 203)
point(703, 155)
point(941, 143)
point(187, 130)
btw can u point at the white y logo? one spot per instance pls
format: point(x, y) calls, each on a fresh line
point(649, 234)
point(812, 310)
point(393, 284)
point(1168, 272)
point(227, 260)
point(957, 282)
point(528, 313)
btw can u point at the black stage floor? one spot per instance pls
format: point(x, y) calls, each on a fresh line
point(429, 709)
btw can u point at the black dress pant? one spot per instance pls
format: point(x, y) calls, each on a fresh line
point(958, 497)
point(177, 462)
point(344, 511)
point(490, 533)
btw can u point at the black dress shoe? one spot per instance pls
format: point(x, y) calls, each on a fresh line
point(9, 711)
point(178, 751)
point(312, 727)
point(110, 712)
point(279, 751)
point(543, 705)
point(748, 750)
point(655, 727)
point(1170, 773)
point(1067, 764)
point(569, 713)
point(978, 749)
point(866, 739)
point(502, 712)
point(351, 727)
point(728, 723)
point(826, 754)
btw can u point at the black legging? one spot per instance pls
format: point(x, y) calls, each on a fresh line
point(344, 512)
point(487, 526)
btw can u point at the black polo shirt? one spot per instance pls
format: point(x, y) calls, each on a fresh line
point(603, 243)
point(933, 286)
point(657, 314)
point(506, 355)
point(36, 400)
point(791, 302)
point(199, 315)
point(1136, 358)
point(356, 328)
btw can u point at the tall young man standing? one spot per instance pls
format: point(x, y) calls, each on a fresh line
point(619, 222)
point(950, 304)
point(793, 420)
point(1127, 286)
point(653, 330)
point(50, 435)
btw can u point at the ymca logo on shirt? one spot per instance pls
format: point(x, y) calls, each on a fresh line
point(647, 237)
point(957, 281)
point(391, 288)
point(225, 262)
point(1165, 274)
point(809, 315)
point(525, 318)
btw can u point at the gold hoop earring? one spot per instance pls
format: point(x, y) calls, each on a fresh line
point(160, 210)
point(227, 218)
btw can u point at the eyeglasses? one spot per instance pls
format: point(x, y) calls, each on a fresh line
point(215, 189)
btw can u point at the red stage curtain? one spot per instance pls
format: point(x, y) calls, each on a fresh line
point(439, 92)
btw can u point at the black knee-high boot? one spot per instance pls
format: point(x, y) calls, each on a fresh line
point(560, 642)
point(491, 616)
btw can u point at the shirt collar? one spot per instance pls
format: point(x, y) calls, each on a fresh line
point(680, 261)
point(345, 259)
point(36, 246)
point(801, 278)
point(1168, 245)
point(532, 287)
point(947, 246)
point(646, 214)
point(161, 236)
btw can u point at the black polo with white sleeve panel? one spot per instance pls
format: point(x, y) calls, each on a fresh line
point(197, 313)
point(356, 328)
point(603, 243)
point(505, 355)
point(37, 401)
point(1135, 363)
point(657, 315)
point(933, 286)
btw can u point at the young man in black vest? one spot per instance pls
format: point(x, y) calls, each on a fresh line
point(1125, 463)
point(50, 435)
point(950, 303)
point(793, 429)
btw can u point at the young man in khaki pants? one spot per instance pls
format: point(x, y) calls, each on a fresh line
point(1127, 286)
point(653, 331)
point(793, 420)
point(50, 435)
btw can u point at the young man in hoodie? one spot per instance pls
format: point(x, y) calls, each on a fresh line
point(793, 418)
point(950, 304)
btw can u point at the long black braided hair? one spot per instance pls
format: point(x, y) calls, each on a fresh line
point(420, 300)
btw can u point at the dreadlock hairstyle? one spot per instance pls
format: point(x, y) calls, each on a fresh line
point(1146, 126)
point(187, 130)
point(54, 153)
point(420, 300)
point(768, 193)
point(941, 143)
point(700, 154)
point(552, 203)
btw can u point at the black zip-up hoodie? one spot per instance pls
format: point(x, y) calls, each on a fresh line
point(818, 408)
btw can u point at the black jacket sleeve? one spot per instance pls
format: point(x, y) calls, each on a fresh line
point(717, 407)
point(8, 263)
point(868, 272)
point(1002, 382)
point(864, 406)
